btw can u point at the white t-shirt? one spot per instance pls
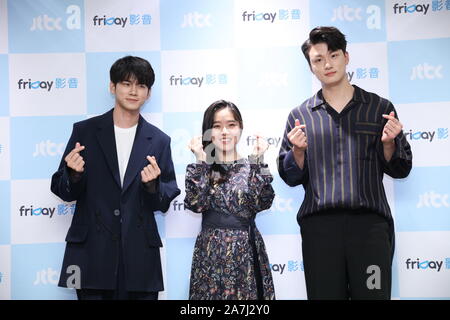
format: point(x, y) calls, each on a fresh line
point(124, 144)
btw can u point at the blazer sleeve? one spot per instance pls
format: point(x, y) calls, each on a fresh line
point(166, 188)
point(62, 185)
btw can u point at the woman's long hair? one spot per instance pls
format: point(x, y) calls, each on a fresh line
point(218, 174)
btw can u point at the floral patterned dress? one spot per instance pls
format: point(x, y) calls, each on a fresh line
point(223, 266)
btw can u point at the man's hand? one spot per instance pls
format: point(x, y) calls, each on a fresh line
point(150, 172)
point(392, 128)
point(298, 137)
point(74, 160)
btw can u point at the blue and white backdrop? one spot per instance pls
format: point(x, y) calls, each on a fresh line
point(54, 61)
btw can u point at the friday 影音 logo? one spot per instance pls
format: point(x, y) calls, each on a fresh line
point(59, 210)
point(47, 85)
point(255, 16)
point(199, 81)
point(428, 264)
point(431, 136)
point(134, 19)
point(421, 8)
point(360, 73)
point(290, 266)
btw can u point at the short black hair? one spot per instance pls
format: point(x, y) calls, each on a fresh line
point(334, 38)
point(130, 67)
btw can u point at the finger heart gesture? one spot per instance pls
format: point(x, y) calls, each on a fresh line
point(151, 171)
point(391, 129)
point(74, 160)
point(297, 136)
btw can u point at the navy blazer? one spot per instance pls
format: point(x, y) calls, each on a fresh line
point(106, 212)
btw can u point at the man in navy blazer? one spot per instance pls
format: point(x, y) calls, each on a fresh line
point(119, 169)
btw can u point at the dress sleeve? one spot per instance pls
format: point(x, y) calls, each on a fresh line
point(261, 193)
point(197, 187)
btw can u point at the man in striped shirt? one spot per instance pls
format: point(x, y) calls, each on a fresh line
point(338, 144)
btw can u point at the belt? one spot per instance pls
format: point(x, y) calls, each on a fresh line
point(220, 220)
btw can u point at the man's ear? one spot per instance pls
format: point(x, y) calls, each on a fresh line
point(149, 93)
point(347, 57)
point(112, 88)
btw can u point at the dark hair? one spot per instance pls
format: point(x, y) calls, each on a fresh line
point(217, 171)
point(334, 38)
point(130, 67)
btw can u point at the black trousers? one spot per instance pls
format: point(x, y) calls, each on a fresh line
point(347, 255)
point(120, 293)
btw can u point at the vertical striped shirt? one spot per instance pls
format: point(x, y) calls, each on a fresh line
point(344, 160)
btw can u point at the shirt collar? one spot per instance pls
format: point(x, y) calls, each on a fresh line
point(359, 95)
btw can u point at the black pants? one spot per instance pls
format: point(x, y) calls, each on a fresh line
point(120, 293)
point(347, 255)
point(97, 294)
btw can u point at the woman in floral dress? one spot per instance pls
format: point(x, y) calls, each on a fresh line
point(230, 260)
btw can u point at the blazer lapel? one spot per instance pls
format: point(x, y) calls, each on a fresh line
point(138, 158)
point(107, 141)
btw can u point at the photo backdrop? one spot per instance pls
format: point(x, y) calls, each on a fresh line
point(55, 57)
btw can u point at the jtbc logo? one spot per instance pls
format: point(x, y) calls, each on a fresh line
point(46, 23)
point(273, 79)
point(281, 205)
point(432, 199)
point(48, 148)
point(346, 13)
point(426, 71)
point(48, 276)
point(195, 19)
